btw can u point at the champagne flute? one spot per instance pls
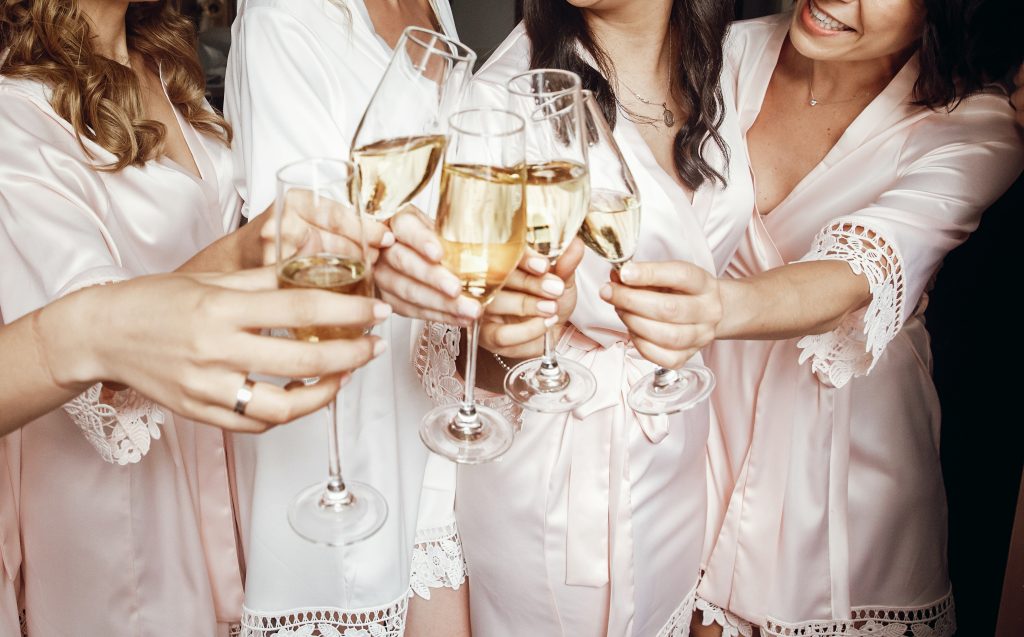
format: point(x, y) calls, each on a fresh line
point(612, 230)
point(320, 244)
point(481, 222)
point(557, 195)
point(400, 139)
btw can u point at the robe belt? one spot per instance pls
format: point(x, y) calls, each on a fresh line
point(10, 535)
point(595, 439)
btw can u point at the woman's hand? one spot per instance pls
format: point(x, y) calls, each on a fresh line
point(312, 226)
point(410, 277)
point(189, 342)
point(531, 301)
point(672, 308)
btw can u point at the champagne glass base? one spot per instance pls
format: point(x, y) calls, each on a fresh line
point(338, 524)
point(441, 436)
point(693, 386)
point(526, 386)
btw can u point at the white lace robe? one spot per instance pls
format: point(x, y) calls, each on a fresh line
point(300, 74)
point(828, 514)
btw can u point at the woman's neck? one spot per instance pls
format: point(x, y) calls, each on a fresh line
point(830, 81)
point(106, 22)
point(634, 37)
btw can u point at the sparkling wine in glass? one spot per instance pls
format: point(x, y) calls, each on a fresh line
point(557, 199)
point(481, 222)
point(401, 138)
point(320, 244)
point(612, 230)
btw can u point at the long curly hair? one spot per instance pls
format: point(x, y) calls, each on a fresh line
point(696, 32)
point(49, 41)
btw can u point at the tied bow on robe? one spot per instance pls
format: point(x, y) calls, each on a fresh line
point(599, 478)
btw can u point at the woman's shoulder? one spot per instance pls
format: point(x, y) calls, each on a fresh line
point(313, 14)
point(511, 57)
point(26, 113)
point(749, 37)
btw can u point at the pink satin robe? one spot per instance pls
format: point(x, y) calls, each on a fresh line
point(146, 548)
point(592, 524)
point(826, 495)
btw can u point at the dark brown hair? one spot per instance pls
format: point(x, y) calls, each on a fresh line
point(966, 45)
point(49, 41)
point(696, 33)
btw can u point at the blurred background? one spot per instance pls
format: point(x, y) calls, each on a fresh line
point(982, 436)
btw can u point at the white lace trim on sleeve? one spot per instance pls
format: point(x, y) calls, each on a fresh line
point(437, 561)
point(853, 348)
point(379, 621)
point(731, 625)
point(436, 354)
point(119, 425)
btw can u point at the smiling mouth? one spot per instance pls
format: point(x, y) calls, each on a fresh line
point(824, 20)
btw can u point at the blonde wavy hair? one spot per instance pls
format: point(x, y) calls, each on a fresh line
point(49, 41)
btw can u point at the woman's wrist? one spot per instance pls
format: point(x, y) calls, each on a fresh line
point(69, 340)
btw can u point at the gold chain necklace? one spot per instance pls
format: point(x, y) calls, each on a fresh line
point(667, 116)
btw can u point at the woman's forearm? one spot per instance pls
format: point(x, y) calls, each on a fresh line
point(794, 300)
point(240, 250)
point(44, 353)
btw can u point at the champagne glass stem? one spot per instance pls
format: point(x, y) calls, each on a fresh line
point(466, 423)
point(549, 372)
point(335, 494)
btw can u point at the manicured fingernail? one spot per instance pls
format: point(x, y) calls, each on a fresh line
point(537, 264)
point(451, 285)
point(381, 311)
point(550, 321)
point(553, 285)
point(434, 251)
point(605, 292)
point(627, 273)
point(387, 240)
point(468, 307)
point(380, 347)
point(547, 307)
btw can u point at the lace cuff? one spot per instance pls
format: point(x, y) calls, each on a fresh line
point(119, 425)
point(731, 625)
point(379, 621)
point(437, 561)
point(853, 348)
point(436, 353)
point(934, 620)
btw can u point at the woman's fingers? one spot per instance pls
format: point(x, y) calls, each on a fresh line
point(402, 258)
point(668, 335)
point(257, 354)
point(674, 275)
point(547, 286)
point(500, 337)
point(414, 229)
point(303, 308)
point(418, 299)
point(509, 303)
point(670, 359)
point(660, 306)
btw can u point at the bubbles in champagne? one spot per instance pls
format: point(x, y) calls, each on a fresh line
point(556, 202)
point(393, 171)
point(612, 226)
point(481, 221)
point(326, 272)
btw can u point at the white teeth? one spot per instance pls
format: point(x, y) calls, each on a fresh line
point(825, 21)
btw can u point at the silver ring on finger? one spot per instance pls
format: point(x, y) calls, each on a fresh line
point(243, 396)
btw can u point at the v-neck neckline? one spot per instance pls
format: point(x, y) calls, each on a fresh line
point(387, 50)
point(191, 142)
point(891, 97)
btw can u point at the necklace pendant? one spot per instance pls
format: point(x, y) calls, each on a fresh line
point(668, 117)
point(813, 102)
